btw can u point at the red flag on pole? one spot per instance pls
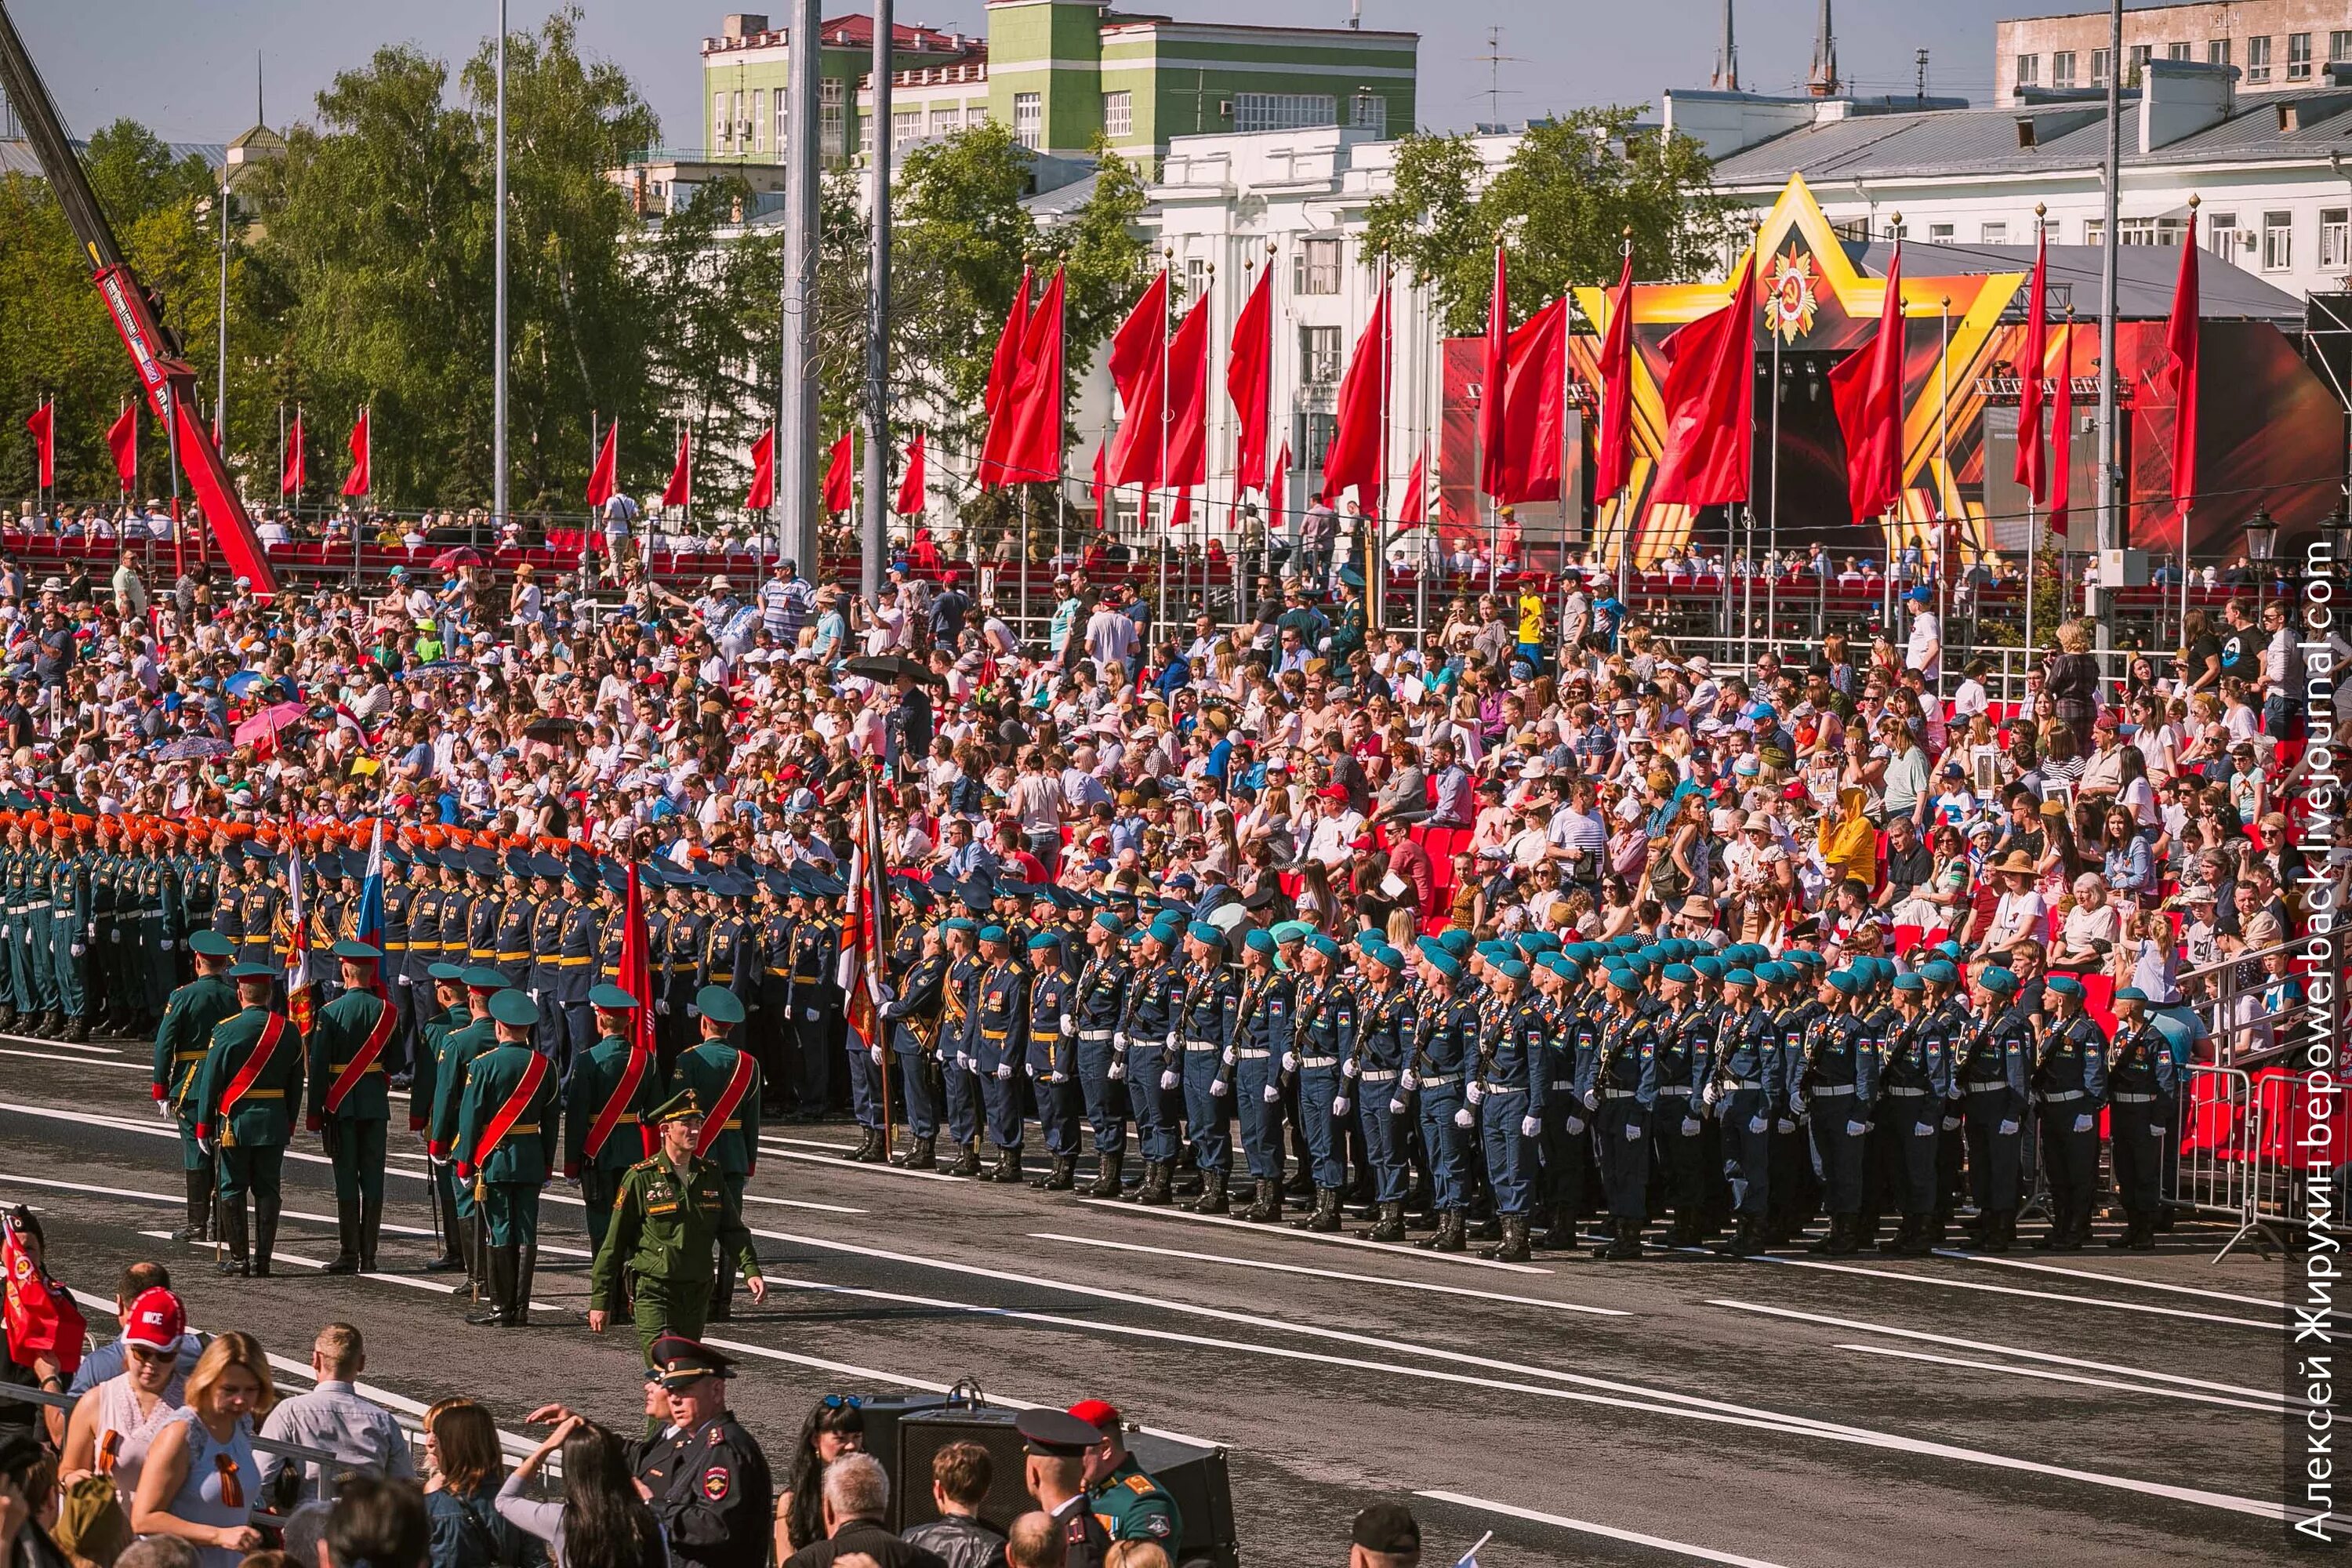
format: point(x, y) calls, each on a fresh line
point(2033, 463)
point(1535, 405)
point(637, 962)
point(1866, 390)
point(913, 483)
point(43, 426)
point(1249, 370)
point(2062, 432)
point(1181, 516)
point(359, 481)
point(1710, 404)
point(604, 478)
point(1612, 456)
point(860, 970)
point(123, 440)
point(838, 497)
point(1139, 367)
point(299, 1008)
point(762, 493)
point(1277, 487)
point(40, 1315)
point(1187, 398)
point(2180, 346)
point(296, 469)
point(1032, 450)
point(679, 491)
point(1493, 382)
point(1102, 486)
point(1003, 376)
point(1353, 457)
point(1413, 510)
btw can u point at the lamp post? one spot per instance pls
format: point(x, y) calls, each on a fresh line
point(2262, 536)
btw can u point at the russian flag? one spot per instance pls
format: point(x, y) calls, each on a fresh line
point(370, 920)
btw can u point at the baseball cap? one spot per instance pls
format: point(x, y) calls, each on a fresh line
point(156, 1321)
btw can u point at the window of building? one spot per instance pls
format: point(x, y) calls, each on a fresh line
point(866, 135)
point(2177, 52)
point(1369, 111)
point(1311, 433)
point(832, 121)
point(2098, 68)
point(743, 124)
point(1119, 113)
point(2278, 242)
point(2151, 230)
point(2140, 55)
point(1196, 277)
point(2029, 70)
point(1318, 355)
point(1029, 119)
point(722, 130)
point(781, 118)
point(2095, 231)
point(759, 120)
point(2221, 234)
point(1284, 110)
point(975, 115)
point(2334, 240)
point(2217, 51)
point(1315, 267)
point(1939, 234)
point(946, 121)
point(2258, 59)
point(2339, 46)
point(906, 125)
point(1992, 234)
point(2298, 56)
point(2062, 69)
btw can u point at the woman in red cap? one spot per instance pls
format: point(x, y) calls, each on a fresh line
point(114, 1423)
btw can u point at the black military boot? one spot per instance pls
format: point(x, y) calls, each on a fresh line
point(1011, 1174)
point(526, 1265)
point(1918, 1238)
point(495, 1269)
point(1627, 1248)
point(2000, 1231)
point(1324, 1218)
point(1514, 1249)
point(1158, 1180)
point(1108, 1169)
point(51, 1021)
point(453, 1255)
point(1390, 1227)
point(1268, 1209)
point(371, 1231)
point(1452, 1233)
point(7, 1018)
point(200, 1206)
point(1213, 1194)
point(1845, 1235)
point(234, 1258)
point(967, 1159)
point(265, 1231)
point(1904, 1231)
point(1744, 1240)
point(347, 1237)
point(925, 1155)
point(78, 1030)
point(2123, 1239)
point(1062, 1175)
point(1559, 1229)
point(2144, 1228)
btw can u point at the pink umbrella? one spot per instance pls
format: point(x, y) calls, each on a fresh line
point(259, 729)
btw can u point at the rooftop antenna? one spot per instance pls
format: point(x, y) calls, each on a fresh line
point(1726, 60)
point(1919, 63)
point(258, 118)
point(1823, 81)
point(1495, 60)
point(1355, 14)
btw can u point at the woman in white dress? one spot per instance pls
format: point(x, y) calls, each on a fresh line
point(114, 1424)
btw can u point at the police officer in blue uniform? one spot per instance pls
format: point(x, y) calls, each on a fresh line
point(1991, 1071)
point(2070, 1086)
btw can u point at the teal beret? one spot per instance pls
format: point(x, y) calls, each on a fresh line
point(1511, 968)
point(991, 933)
point(1293, 930)
point(2130, 993)
point(1998, 981)
point(2064, 984)
point(515, 1009)
point(1539, 941)
point(1951, 950)
point(1044, 941)
point(1938, 971)
point(1624, 943)
point(1457, 941)
point(1368, 939)
point(1571, 971)
point(1738, 978)
point(212, 944)
point(1624, 980)
point(1387, 957)
point(960, 923)
point(1260, 941)
point(1446, 963)
point(1804, 957)
point(1557, 964)
point(1909, 982)
point(1202, 931)
point(1166, 929)
point(1494, 951)
point(1773, 972)
point(1112, 923)
point(1323, 944)
point(1844, 982)
point(1708, 965)
point(1681, 972)
point(612, 998)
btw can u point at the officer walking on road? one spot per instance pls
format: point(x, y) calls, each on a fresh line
point(506, 1151)
point(671, 1210)
point(350, 1105)
point(181, 1041)
point(727, 1081)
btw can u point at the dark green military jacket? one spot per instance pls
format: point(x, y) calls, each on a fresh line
point(337, 1035)
point(264, 1113)
point(664, 1228)
point(597, 1078)
point(186, 1032)
point(526, 1151)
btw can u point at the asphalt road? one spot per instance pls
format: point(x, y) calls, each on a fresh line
point(2099, 1407)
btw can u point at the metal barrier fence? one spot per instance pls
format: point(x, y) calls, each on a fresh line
point(2216, 1139)
point(331, 1466)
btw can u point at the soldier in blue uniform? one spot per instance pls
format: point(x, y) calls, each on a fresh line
point(960, 1084)
point(2069, 1086)
point(1374, 1071)
point(1514, 1077)
point(1835, 1091)
point(912, 1013)
point(1685, 1027)
point(1747, 1091)
point(1261, 1055)
point(1148, 1056)
point(1949, 1007)
point(1913, 1084)
point(1991, 1071)
point(2142, 1089)
point(1205, 1023)
point(1444, 1046)
point(1098, 1007)
point(1323, 1029)
point(996, 1039)
point(816, 995)
point(1051, 1060)
point(1619, 1091)
point(770, 1027)
point(1556, 979)
point(511, 936)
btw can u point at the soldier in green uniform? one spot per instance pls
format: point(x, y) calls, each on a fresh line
point(459, 1046)
point(248, 1092)
point(17, 1008)
point(351, 1102)
point(71, 928)
point(1122, 1494)
point(181, 1041)
point(507, 1140)
point(671, 1211)
point(726, 1082)
point(42, 974)
point(444, 1012)
point(607, 1103)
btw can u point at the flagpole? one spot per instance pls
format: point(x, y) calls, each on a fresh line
point(1943, 475)
point(498, 492)
point(1159, 461)
point(172, 461)
point(1371, 514)
point(1625, 483)
point(1772, 525)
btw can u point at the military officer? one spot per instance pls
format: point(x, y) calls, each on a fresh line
point(771, 1021)
point(181, 1042)
point(551, 912)
point(1913, 1085)
point(1444, 1046)
point(1513, 1079)
point(2070, 1083)
point(1206, 1017)
point(349, 1102)
point(1146, 1052)
point(678, 961)
point(1836, 1094)
point(260, 906)
point(1992, 1084)
point(248, 1093)
point(465, 1041)
point(912, 1014)
point(815, 1002)
point(1685, 1047)
point(72, 928)
point(1127, 1501)
point(1262, 1053)
point(607, 1100)
point(996, 1038)
point(1057, 1446)
point(508, 1136)
point(710, 1487)
point(1618, 1089)
point(960, 1083)
point(672, 1208)
point(1323, 1032)
point(1384, 1032)
point(511, 936)
point(445, 1011)
point(1051, 1061)
point(726, 1080)
point(2142, 1084)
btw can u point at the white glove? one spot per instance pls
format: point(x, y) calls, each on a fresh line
point(1756, 1124)
point(1069, 1025)
point(1273, 1094)
point(1117, 1068)
point(75, 950)
point(1408, 1081)
point(205, 1146)
point(163, 1108)
point(2006, 1128)
point(1690, 1126)
point(2157, 1130)
point(1592, 1099)
point(876, 1052)
point(1785, 1125)
point(114, 934)
point(534, 993)
point(1575, 1125)
point(1708, 1094)
point(2084, 1123)
point(692, 1011)
point(3, 930)
point(1475, 1091)
point(1857, 1128)
point(1168, 1080)
point(963, 1060)
point(1396, 1107)
point(1463, 1117)
point(1351, 1068)
point(1531, 1127)
point(1290, 1061)
point(405, 980)
point(661, 1009)
point(1217, 1087)
point(1633, 1132)
point(166, 944)
point(1923, 1129)
point(1951, 1123)
point(1119, 1042)
point(1003, 1072)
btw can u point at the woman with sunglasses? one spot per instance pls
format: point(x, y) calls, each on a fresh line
point(115, 1422)
point(835, 1425)
point(200, 1479)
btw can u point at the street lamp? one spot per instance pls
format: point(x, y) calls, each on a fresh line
point(2262, 535)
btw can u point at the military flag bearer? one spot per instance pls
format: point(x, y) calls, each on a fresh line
point(350, 1104)
point(181, 1041)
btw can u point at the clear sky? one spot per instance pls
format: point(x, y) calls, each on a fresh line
point(187, 69)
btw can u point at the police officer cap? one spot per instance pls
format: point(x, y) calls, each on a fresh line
point(1844, 982)
point(1202, 931)
point(1323, 944)
point(514, 1008)
point(1740, 977)
point(357, 951)
point(482, 977)
point(719, 1004)
point(1935, 971)
point(1624, 980)
point(611, 998)
point(1707, 965)
point(1055, 1433)
point(991, 933)
point(1909, 982)
point(1112, 923)
point(212, 944)
point(1511, 968)
point(958, 923)
point(682, 1361)
point(975, 897)
point(1260, 941)
point(2064, 984)
point(254, 971)
point(679, 1107)
point(437, 971)
point(1044, 941)
point(1998, 981)
point(1681, 972)
point(1457, 941)
point(1446, 963)
point(2130, 993)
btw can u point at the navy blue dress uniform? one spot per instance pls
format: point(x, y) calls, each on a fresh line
point(960, 1092)
point(1051, 1062)
point(608, 1102)
point(1323, 1028)
point(1619, 1092)
point(401, 977)
point(1795, 1185)
point(1444, 1049)
point(1098, 1008)
point(1513, 1079)
point(914, 1016)
point(1559, 979)
point(1206, 1017)
point(1835, 1091)
point(768, 1034)
point(181, 1041)
point(1747, 1092)
point(710, 1487)
point(2070, 1090)
point(350, 1107)
point(815, 997)
point(1914, 1083)
point(1374, 1074)
point(1263, 1052)
point(1881, 1148)
point(996, 1038)
point(511, 935)
point(1152, 1052)
point(1991, 1073)
point(679, 961)
point(1685, 1027)
point(2142, 1096)
point(509, 1135)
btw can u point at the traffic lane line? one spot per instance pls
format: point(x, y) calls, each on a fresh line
point(809, 1204)
point(1392, 1249)
point(411, 1281)
point(79, 1061)
point(782, 1153)
point(1945, 1283)
point(63, 1044)
point(1300, 1269)
point(2046, 1375)
point(1586, 1527)
point(2124, 1279)
point(2014, 1352)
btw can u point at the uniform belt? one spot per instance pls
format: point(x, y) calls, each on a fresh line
point(1387, 1075)
point(565, 962)
point(262, 1094)
point(1674, 1091)
point(199, 1056)
point(515, 957)
point(62, 914)
point(524, 1127)
point(1096, 1034)
point(2134, 1099)
point(2063, 1096)
point(1496, 1088)
point(681, 969)
point(1738, 1083)
point(1564, 1086)
point(1201, 1045)
point(395, 947)
point(1901, 1093)
point(1829, 1091)
point(1994, 1087)
point(1442, 1081)
point(780, 972)
point(734, 1125)
point(1302, 1061)
point(1044, 1037)
point(1621, 1094)
point(994, 1034)
point(345, 1067)
point(722, 978)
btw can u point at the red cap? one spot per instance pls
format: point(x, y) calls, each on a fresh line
point(1098, 1413)
point(1333, 792)
point(156, 1321)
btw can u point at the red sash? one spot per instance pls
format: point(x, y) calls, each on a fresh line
point(512, 1110)
point(363, 1058)
point(622, 1094)
point(739, 1083)
point(263, 1049)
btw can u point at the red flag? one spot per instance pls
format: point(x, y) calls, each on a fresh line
point(359, 481)
point(911, 484)
point(1710, 404)
point(1249, 371)
point(1535, 405)
point(997, 400)
point(679, 491)
point(637, 965)
point(1139, 367)
point(123, 440)
point(2180, 346)
point(1413, 510)
point(762, 493)
point(1354, 455)
point(2062, 432)
point(43, 426)
point(837, 473)
point(1032, 450)
point(1495, 380)
point(1180, 515)
point(860, 970)
point(1612, 457)
point(602, 478)
point(40, 1315)
point(291, 477)
point(299, 1010)
point(1187, 398)
point(1102, 486)
point(1866, 390)
point(2033, 463)
point(1277, 487)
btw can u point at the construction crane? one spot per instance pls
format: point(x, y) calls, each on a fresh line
point(165, 377)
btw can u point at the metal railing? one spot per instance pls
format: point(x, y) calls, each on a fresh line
point(330, 1467)
point(2213, 1164)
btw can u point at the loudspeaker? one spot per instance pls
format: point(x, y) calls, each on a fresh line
point(1194, 1475)
point(883, 1412)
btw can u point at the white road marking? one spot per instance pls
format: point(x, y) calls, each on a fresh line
point(79, 1061)
point(769, 1147)
point(1585, 1527)
point(63, 1044)
point(2142, 1374)
point(810, 1144)
point(1947, 1282)
point(2107, 1279)
point(1393, 1250)
point(2047, 1376)
point(1326, 1273)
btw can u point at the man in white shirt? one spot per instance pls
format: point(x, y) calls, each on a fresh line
point(1111, 637)
point(1924, 649)
point(1337, 828)
point(360, 1432)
